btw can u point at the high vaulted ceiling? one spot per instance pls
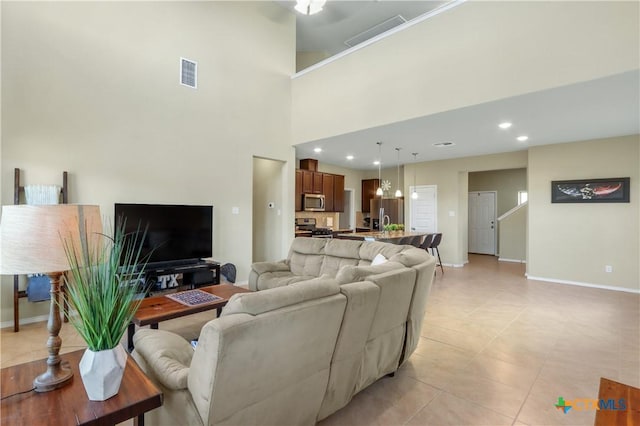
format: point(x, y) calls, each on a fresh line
point(602, 108)
point(340, 21)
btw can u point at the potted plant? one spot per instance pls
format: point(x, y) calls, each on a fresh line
point(104, 291)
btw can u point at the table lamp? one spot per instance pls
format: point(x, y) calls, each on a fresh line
point(32, 241)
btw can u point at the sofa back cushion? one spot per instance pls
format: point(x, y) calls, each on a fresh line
point(259, 302)
point(306, 256)
point(339, 253)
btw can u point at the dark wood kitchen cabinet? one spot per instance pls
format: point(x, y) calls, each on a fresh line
point(299, 191)
point(311, 182)
point(327, 190)
point(307, 182)
point(369, 187)
point(332, 186)
point(317, 182)
point(338, 193)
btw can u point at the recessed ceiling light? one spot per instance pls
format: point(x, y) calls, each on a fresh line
point(349, 157)
point(443, 144)
point(375, 163)
point(317, 150)
point(522, 138)
point(504, 125)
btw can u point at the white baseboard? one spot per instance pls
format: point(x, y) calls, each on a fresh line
point(502, 259)
point(581, 284)
point(23, 321)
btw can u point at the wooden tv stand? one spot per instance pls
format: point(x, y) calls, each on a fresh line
point(193, 276)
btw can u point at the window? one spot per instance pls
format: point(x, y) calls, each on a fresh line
point(523, 196)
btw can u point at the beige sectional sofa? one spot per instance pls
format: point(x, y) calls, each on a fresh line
point(385, 304)
point(324, 325)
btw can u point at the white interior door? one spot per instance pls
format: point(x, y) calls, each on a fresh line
point(424, 209)
point(482, 222)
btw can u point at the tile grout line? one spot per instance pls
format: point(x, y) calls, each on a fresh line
point(546, 358)
point(440, 392)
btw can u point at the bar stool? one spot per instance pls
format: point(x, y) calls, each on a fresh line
point(404, 240)
point(416, 240)
point(427, 242)
point(435, 242)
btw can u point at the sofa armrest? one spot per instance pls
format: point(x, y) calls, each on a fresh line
point(167, 355)
point(263, 267)
point(260, 268)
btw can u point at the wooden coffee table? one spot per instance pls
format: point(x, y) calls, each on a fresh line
point(156, 309)
point(70, 405)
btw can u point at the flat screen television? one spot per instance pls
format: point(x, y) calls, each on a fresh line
point(176, 234)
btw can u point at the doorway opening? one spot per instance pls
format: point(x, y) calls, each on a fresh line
point(510, 189)
point(268, 178)
point(348, 217)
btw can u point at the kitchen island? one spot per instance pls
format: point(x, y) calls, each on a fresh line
point(393, 237)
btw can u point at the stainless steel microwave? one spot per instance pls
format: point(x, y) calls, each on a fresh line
point(313, 202)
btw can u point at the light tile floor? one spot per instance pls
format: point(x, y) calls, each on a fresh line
point(496, 349)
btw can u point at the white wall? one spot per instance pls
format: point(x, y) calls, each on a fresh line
point(477, 52)
point(574, 242)
point(512, 237)
point(565, 242)
point(92, 88)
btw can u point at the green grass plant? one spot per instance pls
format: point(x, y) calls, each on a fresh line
point(104, 285)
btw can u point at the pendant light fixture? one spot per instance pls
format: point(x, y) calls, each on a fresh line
point(414, 194)
point(379, 191)
point(398, 192)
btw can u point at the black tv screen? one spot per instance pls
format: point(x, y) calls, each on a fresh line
point(176, 234)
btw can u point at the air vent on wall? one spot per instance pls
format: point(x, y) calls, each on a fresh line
point(375, 30)
point(188, 72)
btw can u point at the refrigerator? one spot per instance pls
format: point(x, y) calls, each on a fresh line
point(393, 207)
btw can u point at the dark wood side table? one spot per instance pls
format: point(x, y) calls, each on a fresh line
point(615, 415)
point(69, 405)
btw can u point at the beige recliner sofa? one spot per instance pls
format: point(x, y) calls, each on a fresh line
point(265, 361)
point(327, 324)
point(385, 304)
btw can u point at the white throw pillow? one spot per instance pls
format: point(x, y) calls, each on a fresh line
point(378, 260)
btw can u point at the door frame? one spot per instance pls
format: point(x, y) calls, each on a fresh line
point(495, 219)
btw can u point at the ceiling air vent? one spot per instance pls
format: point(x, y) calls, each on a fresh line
point(376, 30)
point(188, 72)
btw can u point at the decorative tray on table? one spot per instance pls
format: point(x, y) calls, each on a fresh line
point(193, 297)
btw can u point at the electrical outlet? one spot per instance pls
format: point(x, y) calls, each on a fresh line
point(608, 268)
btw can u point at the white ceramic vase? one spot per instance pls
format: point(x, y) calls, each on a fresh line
point(102, 372)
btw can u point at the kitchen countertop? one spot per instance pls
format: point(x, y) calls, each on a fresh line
point(300, 233)
point(389, 236)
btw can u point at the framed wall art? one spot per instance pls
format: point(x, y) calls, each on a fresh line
point(611, 190)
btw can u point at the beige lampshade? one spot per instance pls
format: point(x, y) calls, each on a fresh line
point(31, 237)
